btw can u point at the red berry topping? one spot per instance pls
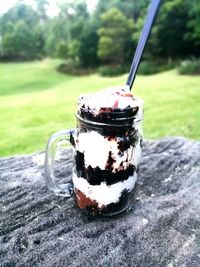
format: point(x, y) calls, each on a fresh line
point(115, 105)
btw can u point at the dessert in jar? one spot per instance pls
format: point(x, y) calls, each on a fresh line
point(107, 147)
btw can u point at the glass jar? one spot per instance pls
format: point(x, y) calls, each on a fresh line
point(107, 151)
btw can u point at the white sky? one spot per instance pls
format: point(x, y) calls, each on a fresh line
point(52, 10)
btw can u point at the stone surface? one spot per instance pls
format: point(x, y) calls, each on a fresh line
point(163, 229)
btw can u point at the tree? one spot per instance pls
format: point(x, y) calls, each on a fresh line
point(73, 49)
point(193, 33)
point(56, 33)
point(39, 40)
point(152, 48)
point(41, 6)
point(7, 45)
point(172, 27)
point(62, 50)
point(74, 15)
point(130, 8)
point(114, 32)
point(169, 38)
point(22, 35)
point(19, 43)
point(18, 12)
point(88, 45)
point(50, 45)
point(64, 31)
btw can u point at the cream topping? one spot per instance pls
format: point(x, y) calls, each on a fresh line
point(109, 98)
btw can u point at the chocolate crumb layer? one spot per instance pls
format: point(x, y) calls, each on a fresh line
point(95, 176)
point(93, 209)
point(111, 115)
point(112, 208)
point(83, 201)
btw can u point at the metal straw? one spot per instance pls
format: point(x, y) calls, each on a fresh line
point(153, 9)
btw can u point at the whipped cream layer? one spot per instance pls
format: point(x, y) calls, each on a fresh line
point(97, 148)
point(104, 194)
point(114, 98)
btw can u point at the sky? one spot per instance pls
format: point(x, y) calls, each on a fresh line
point(52, 10)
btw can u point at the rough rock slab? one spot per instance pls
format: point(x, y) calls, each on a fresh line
point(163, 229)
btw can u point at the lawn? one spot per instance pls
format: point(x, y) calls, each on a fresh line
point(36, 101)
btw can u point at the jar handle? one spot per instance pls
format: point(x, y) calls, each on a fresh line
point(63, 137)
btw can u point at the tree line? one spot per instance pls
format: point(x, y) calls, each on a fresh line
point(107, 36)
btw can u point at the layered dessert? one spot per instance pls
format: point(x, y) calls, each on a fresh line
point(107, 150)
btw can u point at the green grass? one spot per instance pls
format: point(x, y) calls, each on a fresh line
point(36, 101)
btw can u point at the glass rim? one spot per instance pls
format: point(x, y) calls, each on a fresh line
point(100, 124)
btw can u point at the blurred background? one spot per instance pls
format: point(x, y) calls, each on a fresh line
point(53, 51)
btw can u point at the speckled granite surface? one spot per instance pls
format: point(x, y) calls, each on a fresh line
point(163, 229)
